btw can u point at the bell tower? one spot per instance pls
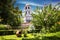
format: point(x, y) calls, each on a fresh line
point(28, 16)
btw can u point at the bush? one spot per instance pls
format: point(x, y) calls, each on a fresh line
point(47, 18)
point(25, 33)
point(55, 28)
point(5, 27)
point(5, 32)
point(2, 27)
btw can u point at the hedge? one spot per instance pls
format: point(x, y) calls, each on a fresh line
point(3, 27)
point(6, 32)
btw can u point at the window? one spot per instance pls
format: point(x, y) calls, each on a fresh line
point(25, 7)
point(28, 7)
point(26, 12)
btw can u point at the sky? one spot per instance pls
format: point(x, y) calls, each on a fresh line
point(34, 3)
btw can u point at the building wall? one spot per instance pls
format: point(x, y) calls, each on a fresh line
point(28, 16)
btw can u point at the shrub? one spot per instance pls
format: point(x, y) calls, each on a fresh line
point(25, 33)
point(55, 28)
point(47, 18)
point(6, 32)
point(3, 27)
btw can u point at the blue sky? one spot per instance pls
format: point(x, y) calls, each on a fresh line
point(34, 3)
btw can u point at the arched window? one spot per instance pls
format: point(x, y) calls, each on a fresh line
point(28, 7)
point(25, 7)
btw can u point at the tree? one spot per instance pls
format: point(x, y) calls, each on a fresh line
point(47, 18)
point(8, 13)
point(5, 8)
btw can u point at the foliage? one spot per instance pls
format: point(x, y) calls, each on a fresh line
point(5, 32)
point(9, 14)
point(4, 27)
point(47, 18)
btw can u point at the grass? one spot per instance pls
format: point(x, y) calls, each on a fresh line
point(9, 37)
point(14, 37)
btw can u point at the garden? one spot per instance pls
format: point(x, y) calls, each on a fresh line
point(46, 22)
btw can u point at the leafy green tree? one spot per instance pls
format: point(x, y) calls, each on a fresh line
point(47, 18)
point(9, 14)
point(5, 10)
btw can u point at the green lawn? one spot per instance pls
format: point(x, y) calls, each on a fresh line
point(14, 37)
point(29, 36)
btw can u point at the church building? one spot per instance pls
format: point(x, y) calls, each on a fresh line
point(27, 10)
point(27, 17)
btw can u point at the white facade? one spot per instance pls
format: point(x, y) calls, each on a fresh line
point(27, 17)
point(27, 13)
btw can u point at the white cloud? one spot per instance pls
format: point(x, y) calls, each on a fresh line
point(54, 4)
point(30, 3)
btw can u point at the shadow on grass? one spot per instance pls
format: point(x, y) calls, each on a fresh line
point(51, 38)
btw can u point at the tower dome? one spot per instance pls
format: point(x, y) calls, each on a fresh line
point(27, 4)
